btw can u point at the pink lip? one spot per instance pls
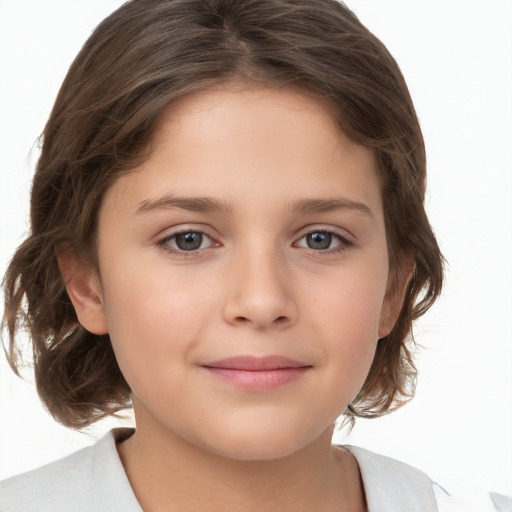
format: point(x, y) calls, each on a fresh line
point(257, 373)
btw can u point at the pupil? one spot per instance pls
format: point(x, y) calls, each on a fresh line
point(319, 240)
point(189, 241)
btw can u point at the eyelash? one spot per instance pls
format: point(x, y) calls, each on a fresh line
point(343, 242)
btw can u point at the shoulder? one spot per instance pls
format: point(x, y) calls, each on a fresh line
point(391, 485)
point(91, 479)
point(59, 485)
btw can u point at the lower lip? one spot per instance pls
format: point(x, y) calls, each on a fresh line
point(258, 380)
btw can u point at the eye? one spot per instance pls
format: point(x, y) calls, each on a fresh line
point(186, 241)
point(320, 240)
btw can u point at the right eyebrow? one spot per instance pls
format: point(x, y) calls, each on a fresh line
point(194, 204)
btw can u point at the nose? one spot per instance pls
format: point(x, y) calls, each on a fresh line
point(259, 293)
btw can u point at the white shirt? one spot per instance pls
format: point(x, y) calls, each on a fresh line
point(93, 480)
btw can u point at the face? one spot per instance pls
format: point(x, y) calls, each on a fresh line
point(244, 272)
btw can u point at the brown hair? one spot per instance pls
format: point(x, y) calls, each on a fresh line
point(141, 58)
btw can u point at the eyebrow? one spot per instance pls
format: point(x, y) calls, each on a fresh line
point(329, 204)
point(194, 204)
point(209, 204)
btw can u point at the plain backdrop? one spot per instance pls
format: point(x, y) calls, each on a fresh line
point(457, 59)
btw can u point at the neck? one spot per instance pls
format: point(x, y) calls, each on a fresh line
point(168, 473)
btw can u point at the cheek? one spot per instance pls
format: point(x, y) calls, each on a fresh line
point(351, 302)
point(142, 293)
point(153, 318)
point(346, 315)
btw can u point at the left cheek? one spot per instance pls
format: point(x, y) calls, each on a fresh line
point(349, 322)
point(352, 308)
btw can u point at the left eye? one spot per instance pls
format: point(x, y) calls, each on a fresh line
point(189, 241)
point(321, 240)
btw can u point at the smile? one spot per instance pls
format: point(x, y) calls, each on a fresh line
point(257, 373)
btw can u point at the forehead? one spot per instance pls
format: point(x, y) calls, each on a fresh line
point(243, 106)
point(228, 140)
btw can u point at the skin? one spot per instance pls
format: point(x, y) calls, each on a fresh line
point(254, 287)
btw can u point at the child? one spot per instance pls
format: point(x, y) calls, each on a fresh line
point(227, 230)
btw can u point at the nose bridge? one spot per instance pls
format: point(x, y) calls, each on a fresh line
point(260, 288)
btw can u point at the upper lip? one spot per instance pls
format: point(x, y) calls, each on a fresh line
point(253, 363)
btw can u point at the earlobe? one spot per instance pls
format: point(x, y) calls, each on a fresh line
point(84, 290)
point(394, 298)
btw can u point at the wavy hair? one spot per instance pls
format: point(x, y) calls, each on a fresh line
point(140, 59)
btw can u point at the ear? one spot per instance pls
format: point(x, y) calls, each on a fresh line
point(84, 290)
point(393, 300)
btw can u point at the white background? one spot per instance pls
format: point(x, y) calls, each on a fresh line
point(457, 59)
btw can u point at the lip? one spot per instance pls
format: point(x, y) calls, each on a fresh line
point(257, 373)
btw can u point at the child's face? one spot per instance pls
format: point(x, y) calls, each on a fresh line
point(255, 229)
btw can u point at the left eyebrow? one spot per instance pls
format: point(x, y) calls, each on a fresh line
point(329, 204)
point(194, 204)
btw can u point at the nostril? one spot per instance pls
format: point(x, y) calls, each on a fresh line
point(243, 319)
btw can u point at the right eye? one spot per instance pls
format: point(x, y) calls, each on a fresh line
point(186, 241)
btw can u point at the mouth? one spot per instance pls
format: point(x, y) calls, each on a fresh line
point(257, 373)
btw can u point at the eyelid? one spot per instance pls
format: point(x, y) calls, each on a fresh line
point(323, 228)
point(170, 231)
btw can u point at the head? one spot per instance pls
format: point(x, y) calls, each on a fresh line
point(137, 68)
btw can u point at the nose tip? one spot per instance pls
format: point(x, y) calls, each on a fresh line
point(260, 296)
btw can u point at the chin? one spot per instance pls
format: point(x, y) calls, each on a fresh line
point(262, 444)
